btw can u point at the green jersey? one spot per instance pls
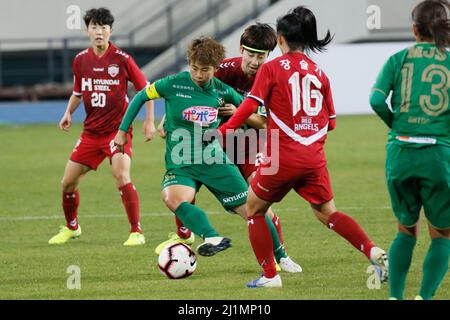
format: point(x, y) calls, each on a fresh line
point(191, 111)
point(419, 79)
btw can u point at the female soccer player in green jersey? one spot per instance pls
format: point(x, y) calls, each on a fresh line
point(192, 102)
point(418, 147)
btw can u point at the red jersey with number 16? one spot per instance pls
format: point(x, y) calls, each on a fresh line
point(297, 96)
point(103, 83)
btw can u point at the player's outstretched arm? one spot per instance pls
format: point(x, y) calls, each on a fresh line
point(133, 109)
point(72, 105)
point(245, 110)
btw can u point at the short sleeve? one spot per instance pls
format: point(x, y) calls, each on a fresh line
point(135, 75)
point(76, 79)
point(263, 84)
point(164, 86)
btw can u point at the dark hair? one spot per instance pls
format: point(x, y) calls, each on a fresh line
point(299, 28)
point(260, 36)
point(206, 51)
point(101, 16)
point(432, 23)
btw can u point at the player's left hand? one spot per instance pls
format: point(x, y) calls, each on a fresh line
point(227, 110)
point(120, 140)
point(149, 130)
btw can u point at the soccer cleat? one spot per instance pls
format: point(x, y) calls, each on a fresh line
point(379, 259)
point(135, 239)
point(393, 298)
point(418, 298)
point(64, 235)
point(263, 282)
point(213, 245)
point(288, 265)
point(277, 267)
point(174, 238)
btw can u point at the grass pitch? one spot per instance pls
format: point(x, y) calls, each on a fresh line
point(32, 163)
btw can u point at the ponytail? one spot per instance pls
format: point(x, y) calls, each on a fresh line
point(299, 28)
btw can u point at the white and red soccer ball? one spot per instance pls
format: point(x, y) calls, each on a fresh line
point(177, 261)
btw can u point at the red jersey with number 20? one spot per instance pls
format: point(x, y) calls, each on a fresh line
point(297, 95)
point(103, 83)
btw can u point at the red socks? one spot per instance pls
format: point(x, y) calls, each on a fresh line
point(182, 231)
point(261, 240)
point(130, 201)
point(70, 201)
point(277, 223)
point(349, 229)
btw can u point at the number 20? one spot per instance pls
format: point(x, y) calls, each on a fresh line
point(306, 95)
point(98, 100)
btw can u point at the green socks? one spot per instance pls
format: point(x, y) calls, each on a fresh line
point(435, 267)
point(400, 255)
point(196, 220)
point(278, 250)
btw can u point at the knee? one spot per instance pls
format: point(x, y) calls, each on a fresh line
point(68, 185)
point(122, 177)
point(172, 203)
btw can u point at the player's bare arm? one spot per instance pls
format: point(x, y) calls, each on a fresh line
point(161, 131)
point(149, 128)
point(72, 105)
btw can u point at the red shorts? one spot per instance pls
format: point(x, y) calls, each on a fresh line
point(92, 150)
point(247, 169)
point(313, 185)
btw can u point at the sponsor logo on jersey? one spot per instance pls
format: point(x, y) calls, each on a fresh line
point(89, 84)
point(185, 96)
point(99, 69)
point(113, 70)
point(203, 115)
point(235, 197)
point(307, 124)
point(180, 87)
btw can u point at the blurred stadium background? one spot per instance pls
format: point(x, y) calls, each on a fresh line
point(37, 49)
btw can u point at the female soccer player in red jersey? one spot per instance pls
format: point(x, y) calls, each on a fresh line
point(297, 95)
point(101, 75)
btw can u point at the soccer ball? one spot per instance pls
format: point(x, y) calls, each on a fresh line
point(177, 261)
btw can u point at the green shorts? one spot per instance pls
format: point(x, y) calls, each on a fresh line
point(419, 177)
point(223, 180)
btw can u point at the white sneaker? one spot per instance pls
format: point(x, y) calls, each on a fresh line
point(288, 265)
point(379, 259)
point(263, 282)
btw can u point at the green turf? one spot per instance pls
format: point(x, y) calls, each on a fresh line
point(32, 163)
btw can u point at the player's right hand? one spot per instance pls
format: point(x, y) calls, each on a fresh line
point(65, 122)
point(120, 140)
point(162, 132)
